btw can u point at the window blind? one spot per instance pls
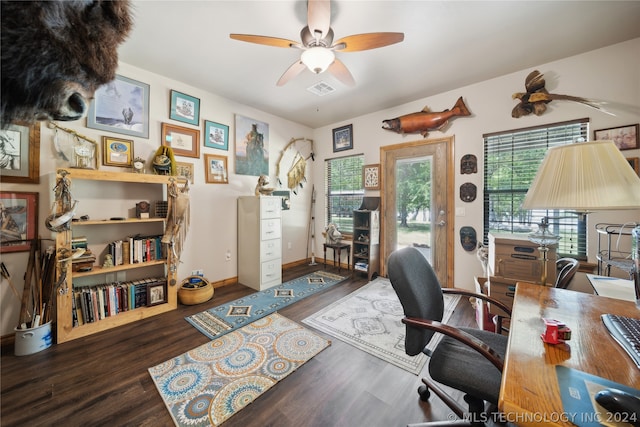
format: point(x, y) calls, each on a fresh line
point(511, 160)
point(343, 190)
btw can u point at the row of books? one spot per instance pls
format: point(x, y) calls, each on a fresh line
point(94, 303)
point(136, 249)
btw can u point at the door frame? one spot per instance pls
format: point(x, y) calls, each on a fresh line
point(387, 156)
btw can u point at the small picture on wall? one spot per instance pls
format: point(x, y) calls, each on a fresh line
point(625, 137)
point(216, 135)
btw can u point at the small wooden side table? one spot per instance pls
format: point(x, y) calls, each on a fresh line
point(337, 250)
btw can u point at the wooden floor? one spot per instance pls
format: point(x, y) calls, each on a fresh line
point(103, 379)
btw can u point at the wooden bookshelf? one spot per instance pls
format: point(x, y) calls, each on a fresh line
point(65, 328)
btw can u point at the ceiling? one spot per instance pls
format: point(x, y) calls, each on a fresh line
point(447, 45)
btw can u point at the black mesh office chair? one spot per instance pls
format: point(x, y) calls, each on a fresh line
point(566, 269)
point(466, 359)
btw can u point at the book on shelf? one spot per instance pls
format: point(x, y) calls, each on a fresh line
point(93, 303)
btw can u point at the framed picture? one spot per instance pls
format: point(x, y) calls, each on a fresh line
point(635, 164)
point(184, 108)
point(343, 138)
point(183, 141)
point(216, 171)
point(216, 135)
point(117, 152)
point(121, 106)
point(625, 137)
point(252, 146)
point(371, 177)
point(286, 199)
point(19, 220)
point(21, 145)
point(156, 293)
point(185, 170)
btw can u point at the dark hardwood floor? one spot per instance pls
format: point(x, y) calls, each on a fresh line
point(103, 379)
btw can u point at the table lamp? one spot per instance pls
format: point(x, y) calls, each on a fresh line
point(583, 177)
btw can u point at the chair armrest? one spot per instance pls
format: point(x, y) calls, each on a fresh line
point(467, 339)
point(456, 291)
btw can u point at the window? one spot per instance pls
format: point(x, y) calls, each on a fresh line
point(511, 160)
point(343, 190)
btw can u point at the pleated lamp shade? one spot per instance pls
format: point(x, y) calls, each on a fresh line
point(584, 176)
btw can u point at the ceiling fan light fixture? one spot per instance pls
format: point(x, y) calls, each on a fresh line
point(318, 59)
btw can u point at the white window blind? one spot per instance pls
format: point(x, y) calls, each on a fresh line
point(343, 190)
point(511, 160)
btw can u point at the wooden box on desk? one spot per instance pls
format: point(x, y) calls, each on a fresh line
point(516, 257)
point(503, 290)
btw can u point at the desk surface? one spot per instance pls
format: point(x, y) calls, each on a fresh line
point(529, 384)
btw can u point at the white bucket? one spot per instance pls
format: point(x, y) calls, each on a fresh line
point(33, 340)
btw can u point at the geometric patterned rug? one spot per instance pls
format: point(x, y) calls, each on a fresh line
point(371, 319)
point(207, 385)
point(225, 318)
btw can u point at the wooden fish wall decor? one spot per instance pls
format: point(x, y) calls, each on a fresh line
point(424, 121)
point(536, 97)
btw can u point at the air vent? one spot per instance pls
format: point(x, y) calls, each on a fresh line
point(321, 88)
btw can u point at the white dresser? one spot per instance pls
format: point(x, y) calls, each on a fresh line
point(259, 241)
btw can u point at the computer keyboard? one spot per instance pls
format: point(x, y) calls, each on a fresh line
point(626, 331)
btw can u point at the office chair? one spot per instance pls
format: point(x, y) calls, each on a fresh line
point(567, 268)
point(467, 359)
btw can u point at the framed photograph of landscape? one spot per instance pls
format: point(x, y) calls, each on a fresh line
point(21, 145)
point(121, 106)
point(183, 141)
point(216, 135)
point(216, 171)
point(184, 108)
point(625, 137)
point(343, 138)
point(19, 220)
point(117, 152)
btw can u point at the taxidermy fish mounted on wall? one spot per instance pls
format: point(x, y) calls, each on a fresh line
point(424, 121)
point(536, 97)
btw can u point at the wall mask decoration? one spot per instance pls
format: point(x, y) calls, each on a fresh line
point(468, 238)
point(536, 97)
point(468, 164)
point(424, 121)
point(468, 192)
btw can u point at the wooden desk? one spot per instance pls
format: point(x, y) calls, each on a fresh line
point(530, 391)
point(337, 249)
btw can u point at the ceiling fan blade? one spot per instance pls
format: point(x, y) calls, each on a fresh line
point(266, 40)
point(340, 72)
point(319, 17)
point(367, 41)
point(295, 69)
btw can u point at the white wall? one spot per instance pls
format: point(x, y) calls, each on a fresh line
point(213, 206)
point(611, 74)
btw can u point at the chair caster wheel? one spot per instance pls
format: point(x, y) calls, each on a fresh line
point(424, 393)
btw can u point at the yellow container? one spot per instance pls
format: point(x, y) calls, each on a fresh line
point(195, 290)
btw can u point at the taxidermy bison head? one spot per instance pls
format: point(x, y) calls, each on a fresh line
point(55, 54)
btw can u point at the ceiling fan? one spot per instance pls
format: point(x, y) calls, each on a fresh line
point(318, 47)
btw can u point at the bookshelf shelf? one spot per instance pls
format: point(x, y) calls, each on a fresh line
point(124, 267)
point(118, 194)
point(366, 237)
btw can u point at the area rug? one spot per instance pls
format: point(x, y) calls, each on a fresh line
point(371, 320)
point(225, 318)
point(207, 385)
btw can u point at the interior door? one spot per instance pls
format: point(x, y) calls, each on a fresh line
point(438, 246)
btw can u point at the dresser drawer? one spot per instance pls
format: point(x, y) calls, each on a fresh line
point(270, 207)
point(270, 249)
point(270, 229)
point(271, 271)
